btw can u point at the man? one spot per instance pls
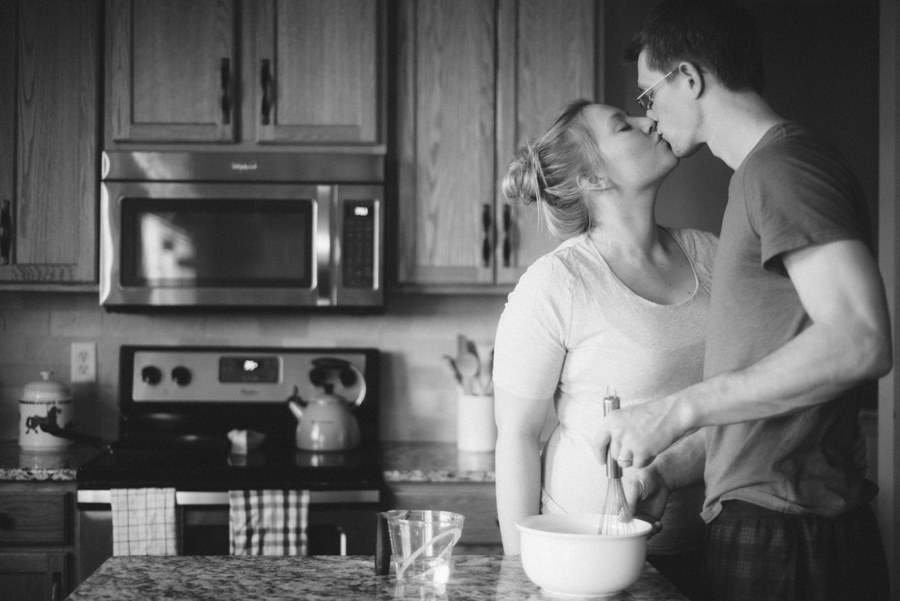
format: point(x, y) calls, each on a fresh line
point(798, 319)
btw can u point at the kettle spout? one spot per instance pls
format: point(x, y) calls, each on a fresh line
point(294, 406)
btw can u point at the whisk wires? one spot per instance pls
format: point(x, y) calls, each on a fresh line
point(616, 516)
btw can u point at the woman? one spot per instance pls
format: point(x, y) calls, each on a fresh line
point(621, 303)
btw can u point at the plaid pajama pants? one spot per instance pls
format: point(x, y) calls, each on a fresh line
point(756, 554)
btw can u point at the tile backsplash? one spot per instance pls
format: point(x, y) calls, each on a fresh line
point(414, 332)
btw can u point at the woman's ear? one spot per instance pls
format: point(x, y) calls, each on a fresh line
point(594, 183)
point(694, 78)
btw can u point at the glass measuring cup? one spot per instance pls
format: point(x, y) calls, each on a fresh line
point(421, 543)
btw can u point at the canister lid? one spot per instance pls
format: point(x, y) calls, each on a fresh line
point(46, 389)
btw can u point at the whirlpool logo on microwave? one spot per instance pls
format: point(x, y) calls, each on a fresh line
point(242, 167)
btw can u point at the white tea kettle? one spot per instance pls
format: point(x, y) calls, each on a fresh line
point(326, 422)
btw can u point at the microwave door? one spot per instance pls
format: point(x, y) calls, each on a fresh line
point(175, 244)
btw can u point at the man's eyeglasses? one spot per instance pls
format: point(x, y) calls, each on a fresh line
point(645, 100)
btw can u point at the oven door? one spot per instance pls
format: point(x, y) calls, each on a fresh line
point(239, 244)
point(340, 522)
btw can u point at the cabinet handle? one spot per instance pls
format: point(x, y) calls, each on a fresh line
point(225, 100)
point(266, 84)
point(486, 221)
point(56, 591)
point(5, 232)
point(507, 241)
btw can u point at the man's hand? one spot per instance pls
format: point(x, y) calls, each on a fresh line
point(635, 435)
point(647, 495)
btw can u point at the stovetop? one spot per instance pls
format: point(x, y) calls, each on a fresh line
point(280, 468)
point(178, 404)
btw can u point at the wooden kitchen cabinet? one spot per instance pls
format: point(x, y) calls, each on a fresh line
point(37, 540)
point(475, 81)
point(295, 73)
point(49, 139)
point(475, 500)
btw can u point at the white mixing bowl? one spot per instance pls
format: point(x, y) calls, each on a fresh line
point(564, 555)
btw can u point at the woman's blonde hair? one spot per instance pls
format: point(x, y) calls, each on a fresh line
point(558, 171)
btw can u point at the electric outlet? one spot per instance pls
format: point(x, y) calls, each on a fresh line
point(84, 362)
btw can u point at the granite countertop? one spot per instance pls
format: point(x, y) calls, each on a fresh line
point(435, 462)
point(403, 462)
point(19, 465)
point(322, 577)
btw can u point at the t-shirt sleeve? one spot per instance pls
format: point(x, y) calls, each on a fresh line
point(800, 198)
point(531, 337)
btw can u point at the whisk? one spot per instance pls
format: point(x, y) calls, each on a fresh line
point(616, 517)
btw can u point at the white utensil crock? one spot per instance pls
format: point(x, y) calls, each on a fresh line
point(45, 401)
point(476, 429)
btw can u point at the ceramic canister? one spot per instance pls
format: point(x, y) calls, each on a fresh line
point(46, 401)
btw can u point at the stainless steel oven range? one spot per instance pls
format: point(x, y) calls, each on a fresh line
point(177, 406)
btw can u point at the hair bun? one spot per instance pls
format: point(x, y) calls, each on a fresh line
point(522, 181)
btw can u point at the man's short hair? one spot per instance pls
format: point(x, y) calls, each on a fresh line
point(717, 36)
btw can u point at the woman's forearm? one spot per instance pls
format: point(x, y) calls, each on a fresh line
point(518, 475)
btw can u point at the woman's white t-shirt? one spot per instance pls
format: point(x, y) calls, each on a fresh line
point(570, 330)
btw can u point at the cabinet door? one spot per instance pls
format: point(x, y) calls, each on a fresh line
point(476, 81)
point(171, 70)
point(49, 213)
point(447, 137)
point(34, 576)
point(8, 22)
point(315, 74)
point(553, 59)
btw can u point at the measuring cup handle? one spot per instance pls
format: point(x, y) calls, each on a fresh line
point(454, 532)
point(382, 546)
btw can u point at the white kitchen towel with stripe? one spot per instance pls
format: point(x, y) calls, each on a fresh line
point(268, 522)
point(143, 521)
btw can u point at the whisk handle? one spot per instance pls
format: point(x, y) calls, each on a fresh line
point(611, 403)
point(613, 470)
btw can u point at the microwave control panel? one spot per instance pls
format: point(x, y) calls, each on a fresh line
point(359, 244)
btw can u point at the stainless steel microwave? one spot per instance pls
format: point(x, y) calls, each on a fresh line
point(217, 229)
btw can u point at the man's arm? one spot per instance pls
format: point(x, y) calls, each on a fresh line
point(849, 341)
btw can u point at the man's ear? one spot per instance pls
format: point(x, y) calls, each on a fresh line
point(694, 78)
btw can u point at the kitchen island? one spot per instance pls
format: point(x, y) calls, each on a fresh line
point(221, 578)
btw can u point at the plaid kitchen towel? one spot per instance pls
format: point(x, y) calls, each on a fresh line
point(143, 521)
point(268, 522)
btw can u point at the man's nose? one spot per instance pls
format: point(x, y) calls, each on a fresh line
point(647, 123)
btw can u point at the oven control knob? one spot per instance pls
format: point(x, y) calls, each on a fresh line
point(151, 375)
point(181, 375)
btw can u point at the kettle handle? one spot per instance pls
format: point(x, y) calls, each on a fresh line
point(295, 396)
point(362, 385)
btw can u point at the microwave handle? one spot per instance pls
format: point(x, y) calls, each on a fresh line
point(324, 201)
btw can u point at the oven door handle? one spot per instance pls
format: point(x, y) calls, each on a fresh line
point(194, 498)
